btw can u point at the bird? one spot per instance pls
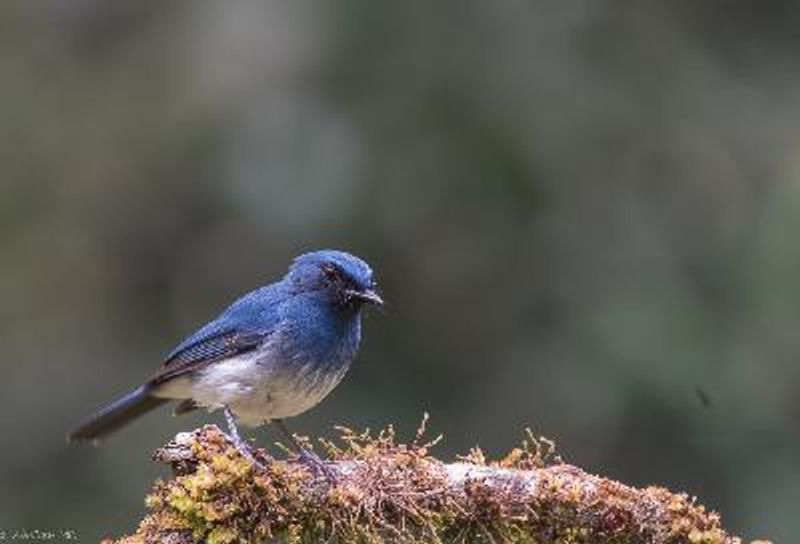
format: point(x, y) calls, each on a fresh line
point(274, 353)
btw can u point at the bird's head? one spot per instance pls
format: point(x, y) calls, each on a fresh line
point(338, 277)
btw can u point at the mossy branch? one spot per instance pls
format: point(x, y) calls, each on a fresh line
point(391, 492)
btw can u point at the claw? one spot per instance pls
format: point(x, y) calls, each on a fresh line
point(307, 457)
point(245, 451)
point(318, 466)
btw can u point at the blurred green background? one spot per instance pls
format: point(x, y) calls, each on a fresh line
point(583, 214)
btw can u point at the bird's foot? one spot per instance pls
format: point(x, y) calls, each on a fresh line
point(306, 456)
point(318, 466)
point(241, 446)
point(245, 451)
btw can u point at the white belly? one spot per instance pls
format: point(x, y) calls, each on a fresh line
point(255, 390)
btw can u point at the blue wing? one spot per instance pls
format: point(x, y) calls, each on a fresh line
point(239, 329)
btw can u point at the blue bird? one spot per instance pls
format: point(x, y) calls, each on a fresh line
point(272, 354)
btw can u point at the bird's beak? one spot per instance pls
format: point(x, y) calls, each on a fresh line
point(369, 296)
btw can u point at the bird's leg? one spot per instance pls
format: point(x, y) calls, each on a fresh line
point(241, 446)
point(307, 456)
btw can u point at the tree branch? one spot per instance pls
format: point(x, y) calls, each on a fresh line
point(390, 492)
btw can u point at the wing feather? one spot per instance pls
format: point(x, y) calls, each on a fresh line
point(208, 349)
point(241, 328)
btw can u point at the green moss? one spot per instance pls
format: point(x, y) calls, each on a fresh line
point(222, 535)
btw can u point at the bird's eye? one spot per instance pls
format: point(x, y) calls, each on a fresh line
point(331, 272)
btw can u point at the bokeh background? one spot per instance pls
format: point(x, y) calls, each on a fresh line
point(584, 215)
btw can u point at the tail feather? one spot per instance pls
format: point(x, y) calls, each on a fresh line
point(184, 407)
point(116, 414)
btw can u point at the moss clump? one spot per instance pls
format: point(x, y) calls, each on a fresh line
point(387, 491)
